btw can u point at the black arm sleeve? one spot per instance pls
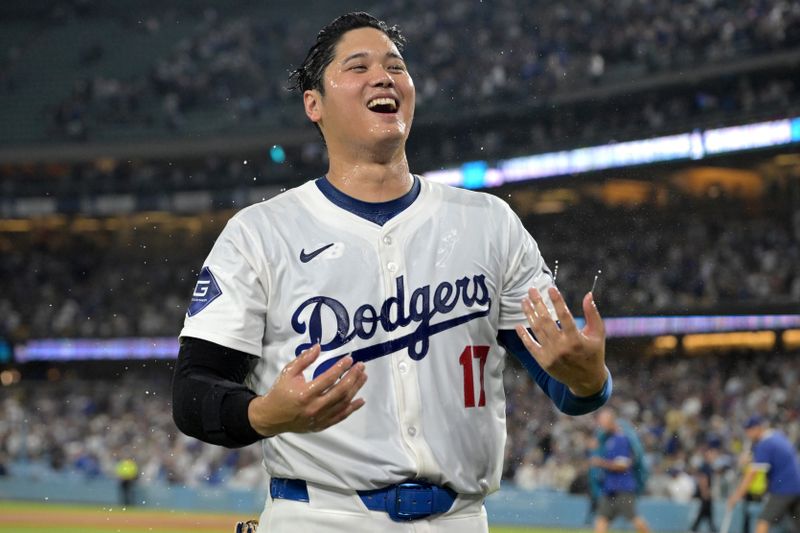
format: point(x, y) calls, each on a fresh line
point(209, 400)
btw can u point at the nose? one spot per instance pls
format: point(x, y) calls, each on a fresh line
point(382, 79)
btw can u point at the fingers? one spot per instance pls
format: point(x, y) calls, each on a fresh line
point(328, 378)
point(354, 406)
point(594, 322)
point(532, 316)
point(343, 391)
point(337, 403)
point(332, 392)
point(562, 311)
point(302, 361)
point(530, 343)
point(538, 315)
point(341, 395)
point(296, 405)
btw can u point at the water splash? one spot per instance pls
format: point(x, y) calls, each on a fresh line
point(594, 283)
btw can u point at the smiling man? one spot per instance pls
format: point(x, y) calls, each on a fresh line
point(373, 270)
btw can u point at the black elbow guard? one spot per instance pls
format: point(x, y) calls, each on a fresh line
point(225, 419)
point(206, 403)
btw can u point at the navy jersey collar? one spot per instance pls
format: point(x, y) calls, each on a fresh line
point(376, 212)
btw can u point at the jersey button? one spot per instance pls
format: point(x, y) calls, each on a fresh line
point(484, 485)
point(387, 240)
point(412, 431)
point(403, 367)
point(391, 267)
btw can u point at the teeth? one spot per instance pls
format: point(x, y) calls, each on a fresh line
point(382, 101)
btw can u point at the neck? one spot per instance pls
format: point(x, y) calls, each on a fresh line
point(371, 180)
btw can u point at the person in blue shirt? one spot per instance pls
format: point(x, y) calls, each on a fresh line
point(618, 486)
point(774, 454)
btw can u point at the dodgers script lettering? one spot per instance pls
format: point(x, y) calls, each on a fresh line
point(422, 306)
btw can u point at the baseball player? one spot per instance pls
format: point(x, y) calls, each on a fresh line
point(373, 271)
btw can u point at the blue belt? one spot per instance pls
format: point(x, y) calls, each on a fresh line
point(411, 500)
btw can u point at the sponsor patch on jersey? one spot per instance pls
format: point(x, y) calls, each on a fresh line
point(205, 291)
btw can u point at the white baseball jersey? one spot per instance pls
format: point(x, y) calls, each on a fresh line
point(419, 299)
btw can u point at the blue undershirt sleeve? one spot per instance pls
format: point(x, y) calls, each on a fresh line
point(562, 397)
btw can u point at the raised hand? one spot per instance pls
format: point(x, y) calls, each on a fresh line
point(572, 356)
point(299, 406)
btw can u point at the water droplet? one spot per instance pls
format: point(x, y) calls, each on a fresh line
point(595, 280)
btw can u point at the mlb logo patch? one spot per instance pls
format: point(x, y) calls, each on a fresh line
point(205, 291)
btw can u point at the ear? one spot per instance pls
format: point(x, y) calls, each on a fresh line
point(312, 101)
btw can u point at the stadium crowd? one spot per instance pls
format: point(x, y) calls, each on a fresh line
point(684, 257)
point(126, 283)
point(675, 259)
point(548, 128)
point(234, 67)
point(84, 427)
point(497, 136)
point(677, 404)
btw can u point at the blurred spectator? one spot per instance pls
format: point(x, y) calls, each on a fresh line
point(776, 460)
point(681, 487)
point(127, 471)
point(618, 459)
point(704, 482)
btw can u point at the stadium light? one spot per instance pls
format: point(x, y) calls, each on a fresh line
point(741, 339)
point(791, 339)
point(277, 154)
point(692, 145)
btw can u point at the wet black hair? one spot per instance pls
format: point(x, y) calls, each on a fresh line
point(309, 74)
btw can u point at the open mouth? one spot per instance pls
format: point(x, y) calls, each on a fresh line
point(382, 105)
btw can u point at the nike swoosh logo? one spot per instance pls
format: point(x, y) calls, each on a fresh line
point(306, 257)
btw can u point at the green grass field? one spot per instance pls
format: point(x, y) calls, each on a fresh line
point(23, 517)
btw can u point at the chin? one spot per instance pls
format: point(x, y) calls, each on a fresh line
point(387, 129)
point(390, 122)
point(387, 145)
point(390, 133)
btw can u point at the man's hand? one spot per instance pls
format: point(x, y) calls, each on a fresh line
point(573, 357)
point(299, 406)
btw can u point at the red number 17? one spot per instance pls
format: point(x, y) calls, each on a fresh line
point(465, 359)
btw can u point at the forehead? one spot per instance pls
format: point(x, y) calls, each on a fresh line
point(369, 40)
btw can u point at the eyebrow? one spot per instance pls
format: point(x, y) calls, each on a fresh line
point(393, 55)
